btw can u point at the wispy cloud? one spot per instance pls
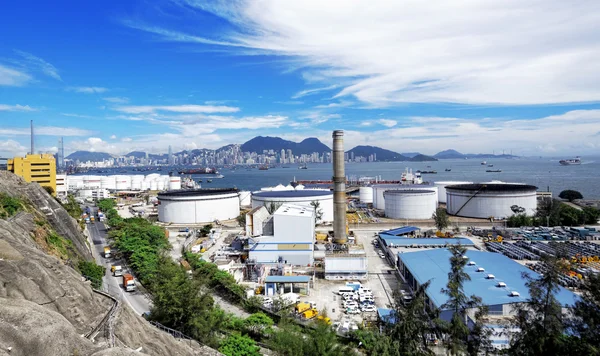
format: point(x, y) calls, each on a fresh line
point(17, 107)
point(290, 102)
point(39, 64)
point(13, 77)
point(45, 131)
point(116, 100)
point(148, 109)
point(387, 122)
point(313, 91)
point(76, 115)
point(508, 53)
point(88, 90)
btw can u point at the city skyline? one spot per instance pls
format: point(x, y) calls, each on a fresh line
point(190, 75)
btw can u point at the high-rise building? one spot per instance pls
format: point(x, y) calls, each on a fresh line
point(60, 155)
point(38, 168)
point(170, 158)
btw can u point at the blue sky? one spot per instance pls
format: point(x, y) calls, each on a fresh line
point(117, 76)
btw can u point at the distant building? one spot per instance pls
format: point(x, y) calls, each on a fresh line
point(61, 185)
point(38, 168)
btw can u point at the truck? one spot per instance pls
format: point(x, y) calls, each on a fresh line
point(106, 251)
point(92, 219)
point(100, 216)
point(116, 271)
point(87, 220)
point(309, 314)
point(128, 282)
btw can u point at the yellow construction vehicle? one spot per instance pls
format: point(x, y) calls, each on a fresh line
point(302, 307)
point(309, 314)
point(320, 236)
point(324, 319)
point(258, 290)
point(443, 234)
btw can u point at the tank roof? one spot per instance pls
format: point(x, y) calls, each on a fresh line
point(198, 192)
point(408, 191)
point(292, 193)
point(494, 187)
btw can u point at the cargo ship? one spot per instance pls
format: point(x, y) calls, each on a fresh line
point(570, 162)
point(199, 171)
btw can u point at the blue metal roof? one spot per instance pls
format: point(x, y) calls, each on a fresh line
point(287, 279)
point(424, 241)
point(401, 230)
point(303, 193)
point(434, 265)
point(386, 315)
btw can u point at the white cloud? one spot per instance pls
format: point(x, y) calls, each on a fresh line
point(126, 139)
point(387, 122)
point(509, 52)
point(113, 137)
point(88, 90)
point(76, 115)
point(17, 107)
point(39, 64)
point(313, 91)
point(45, 131)
point(148, 109)
point(10, 148)
point(13, 77)
point(116, 100)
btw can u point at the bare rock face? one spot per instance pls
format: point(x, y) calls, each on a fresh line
point(46, 308)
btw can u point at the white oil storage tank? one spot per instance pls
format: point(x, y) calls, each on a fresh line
point(160, 184)
point(305, 197)
point(136, 182)
point(245, 198)
point(441, 187)
point(379, 189)
point(483, 200)
point(92, 182)
point(175, 183)
point(198, 206)
point(123, 182)
point(414, 204)
point(365, 195)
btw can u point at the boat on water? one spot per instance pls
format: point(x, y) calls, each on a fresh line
point(490, 165)
point(206, 170)
point(494, 170)
point(483, 163)
point(209, 181)
point(303, 166)
point(263, 168)
point(427, 172)
point(570, 162)
point(448, 169)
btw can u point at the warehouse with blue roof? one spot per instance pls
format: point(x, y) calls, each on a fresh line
point(495, 278)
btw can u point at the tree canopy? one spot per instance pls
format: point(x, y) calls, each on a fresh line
point(441, 219)
point(570, 195)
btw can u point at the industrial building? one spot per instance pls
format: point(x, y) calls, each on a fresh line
point(125, 182)
point(495, 278)
point(304, 198)
point(441, 186)
point(287, 284)
point(256, 219)
point(485, 200)
point(379, 189)
point(198, 206)
point(417, 204)
point(35, 168)
point(293, 238)
point(61, 185)
point(347, 266)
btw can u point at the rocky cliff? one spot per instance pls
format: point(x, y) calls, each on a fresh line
point(45, 306)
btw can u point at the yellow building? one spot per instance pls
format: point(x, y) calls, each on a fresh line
point(39, 168)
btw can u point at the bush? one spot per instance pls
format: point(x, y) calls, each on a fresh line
point(9, 206)
point(570, 195)
point(93, 272)
point(238, 345)
point(106, 204)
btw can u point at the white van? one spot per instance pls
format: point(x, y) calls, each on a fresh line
point(345, 290)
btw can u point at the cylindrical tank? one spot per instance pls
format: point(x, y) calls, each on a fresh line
point(174, 183)
point(441, 186)
point(153, 185)
point(304, 197)
point(245, 198)
point(411, 204)
point(198, 206)
point(160, 184)
point(123, 182)
point(379, 189)
point(145, 184)
point(92, 181)
point(365, 195)
point(495, 200)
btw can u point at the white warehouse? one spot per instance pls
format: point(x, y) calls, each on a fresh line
point(302, 197)
point(124, 182)
point(411, 204)
point(293, 240)
point(198, 206)
point(483, 200)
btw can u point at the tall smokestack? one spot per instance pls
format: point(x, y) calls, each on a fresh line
point(339, 189)
point(32, 139)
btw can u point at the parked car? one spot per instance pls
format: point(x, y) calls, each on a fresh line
point(367, 308)
point(352, 311)
point(381, 255)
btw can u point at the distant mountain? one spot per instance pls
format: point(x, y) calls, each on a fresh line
point(136, 154)
point(453, 154)
point(449, 154)
point(422, 158)
point(381, 153)
point(84, 156)
point(307, 146)
point(410, 154)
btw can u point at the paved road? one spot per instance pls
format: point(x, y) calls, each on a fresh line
point(137, 300)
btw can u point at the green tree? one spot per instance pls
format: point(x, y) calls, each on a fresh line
point(571, 216)
point(287, 339)
point(258, 324)
point(540, 320)
point(591, 215)
point(318, 211)
point(239, 345)
point(518, 220)
point(441, 219)
point(460, 338)
point(241, 220)
point(72, 207)
point(93, 272)
point(106, 204)
point(586, 315)
point(322, 341)
point(570, 195)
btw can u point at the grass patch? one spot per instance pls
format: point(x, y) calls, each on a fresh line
point(9, 206)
